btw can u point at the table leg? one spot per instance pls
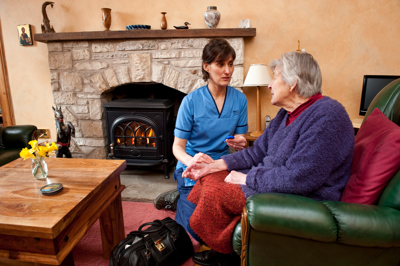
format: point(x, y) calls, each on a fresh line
point(112, 226)
point(68, 261)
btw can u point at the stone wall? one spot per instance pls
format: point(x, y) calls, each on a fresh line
point(82, 72)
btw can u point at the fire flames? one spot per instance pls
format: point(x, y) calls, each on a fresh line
point(142, 135)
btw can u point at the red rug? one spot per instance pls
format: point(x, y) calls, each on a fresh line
point(89, 252)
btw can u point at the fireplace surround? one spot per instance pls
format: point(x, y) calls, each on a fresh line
point(86, 67)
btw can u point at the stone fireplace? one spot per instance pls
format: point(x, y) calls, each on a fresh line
point(84, 74)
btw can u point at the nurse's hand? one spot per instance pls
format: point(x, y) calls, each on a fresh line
point(200, 158)
point(236, 178)
point(196, 170)
point(238, 143)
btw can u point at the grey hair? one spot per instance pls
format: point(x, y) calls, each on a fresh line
point(300, 67)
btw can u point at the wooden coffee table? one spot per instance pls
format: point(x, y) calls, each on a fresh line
point(44, 229)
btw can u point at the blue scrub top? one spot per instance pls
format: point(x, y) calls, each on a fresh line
point(205, 128)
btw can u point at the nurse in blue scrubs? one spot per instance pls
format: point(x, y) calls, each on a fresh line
point(206, 117)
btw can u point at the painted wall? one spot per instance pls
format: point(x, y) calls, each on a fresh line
point(348, 38)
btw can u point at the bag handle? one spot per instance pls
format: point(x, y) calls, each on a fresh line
point(158, 223)
point(155, 223)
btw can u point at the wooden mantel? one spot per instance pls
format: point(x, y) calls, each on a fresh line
point(144, 34)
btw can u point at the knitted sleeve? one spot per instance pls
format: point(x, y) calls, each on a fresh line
point(252, 156)
point(323, 150)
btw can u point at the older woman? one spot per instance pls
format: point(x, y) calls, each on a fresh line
point(306, 150)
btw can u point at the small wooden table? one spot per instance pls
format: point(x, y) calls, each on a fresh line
point(357, 123)
point(250, 139)
point(44, 229)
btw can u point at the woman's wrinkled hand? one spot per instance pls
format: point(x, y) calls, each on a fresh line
point(235, 177)
point(238, 143)
point(196, 171)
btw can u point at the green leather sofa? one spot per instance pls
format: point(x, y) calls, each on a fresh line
point(13, 139)
point(281, 229)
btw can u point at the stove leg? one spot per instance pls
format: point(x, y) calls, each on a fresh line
point(166, 171)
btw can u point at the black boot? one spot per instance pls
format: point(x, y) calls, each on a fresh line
point(167, 200)
point(214, 258)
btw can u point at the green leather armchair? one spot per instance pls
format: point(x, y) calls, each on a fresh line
point(13, 139)
point(282, 229)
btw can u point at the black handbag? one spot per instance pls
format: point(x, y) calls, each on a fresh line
point(164, 243)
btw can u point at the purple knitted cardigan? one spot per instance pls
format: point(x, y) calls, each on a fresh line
point(311, 157)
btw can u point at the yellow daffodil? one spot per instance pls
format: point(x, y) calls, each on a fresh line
point(43, 151)
point(38, 150)
point(52, 147)
point(34, 144)
point(26, 154)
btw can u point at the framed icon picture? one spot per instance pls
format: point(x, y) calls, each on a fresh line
point(25, 35)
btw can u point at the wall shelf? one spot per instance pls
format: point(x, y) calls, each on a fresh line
point(144, 34)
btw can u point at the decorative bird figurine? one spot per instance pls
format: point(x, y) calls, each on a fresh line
point(183, 27)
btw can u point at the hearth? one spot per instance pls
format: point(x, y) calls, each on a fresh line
point(140, 131)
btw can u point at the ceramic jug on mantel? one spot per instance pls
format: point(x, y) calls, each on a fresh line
point(106, 18)
point(212, 17)
point(163, 21)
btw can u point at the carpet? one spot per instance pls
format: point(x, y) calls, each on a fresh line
point(89, 252)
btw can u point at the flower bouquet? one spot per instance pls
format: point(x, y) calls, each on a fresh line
point(38, 153)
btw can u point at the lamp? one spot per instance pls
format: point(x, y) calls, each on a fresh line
point(257, 76)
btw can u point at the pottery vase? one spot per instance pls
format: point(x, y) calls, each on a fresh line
point(39, 168)
point(212, 17)
point(106, 18)
point(163, 21)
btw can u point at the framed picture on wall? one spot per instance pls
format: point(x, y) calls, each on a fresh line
point(25, 35)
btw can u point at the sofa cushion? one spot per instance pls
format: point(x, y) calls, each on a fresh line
point(376, 159)
point(1, 138)
point(8, 155)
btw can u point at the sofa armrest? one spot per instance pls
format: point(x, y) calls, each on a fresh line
point(18, 136)
point(366, 225)
point(291, 215)
point(327, 221)
point(237, 239)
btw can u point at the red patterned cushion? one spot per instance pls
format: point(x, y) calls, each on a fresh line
point(376, 159)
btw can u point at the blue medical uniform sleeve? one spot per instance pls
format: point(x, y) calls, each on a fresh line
point(242, 125)
point(184, 120)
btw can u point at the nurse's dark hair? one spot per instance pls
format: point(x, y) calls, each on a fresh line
point(217, 50)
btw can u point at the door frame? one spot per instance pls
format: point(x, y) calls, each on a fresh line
point(5, 95)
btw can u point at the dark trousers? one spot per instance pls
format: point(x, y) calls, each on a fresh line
point(185, 208)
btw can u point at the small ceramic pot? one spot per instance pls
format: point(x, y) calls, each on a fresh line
point(212, 17)
point(163, 21)
point(106, 18)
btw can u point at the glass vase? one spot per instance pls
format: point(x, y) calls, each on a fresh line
point(39, 168)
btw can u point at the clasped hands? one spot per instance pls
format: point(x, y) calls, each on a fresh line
point(202, 165)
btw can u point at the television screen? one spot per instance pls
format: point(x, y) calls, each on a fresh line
point(372, 85)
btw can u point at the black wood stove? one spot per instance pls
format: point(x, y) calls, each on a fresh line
point(141, 131)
